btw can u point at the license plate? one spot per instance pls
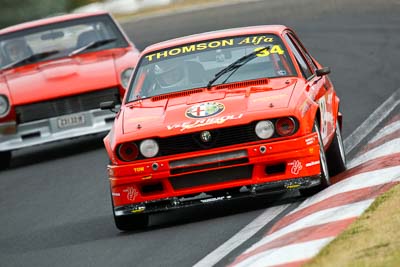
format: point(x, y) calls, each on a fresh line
point(71, 121)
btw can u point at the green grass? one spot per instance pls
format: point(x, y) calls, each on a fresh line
point(372, 240)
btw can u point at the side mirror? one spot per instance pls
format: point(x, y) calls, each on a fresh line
point(323, 71)
point(108, 105)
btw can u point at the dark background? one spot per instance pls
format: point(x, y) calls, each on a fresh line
point(13, 12)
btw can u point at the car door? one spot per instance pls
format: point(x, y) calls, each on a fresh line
point(320, 88)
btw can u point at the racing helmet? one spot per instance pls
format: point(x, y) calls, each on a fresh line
point(169, 74)
point(17, 49)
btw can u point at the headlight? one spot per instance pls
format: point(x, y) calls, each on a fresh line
point(264, 129)
point(4, 105)
point(149, 148)
point(285, 126)
point(127, 152)
point(125, 76)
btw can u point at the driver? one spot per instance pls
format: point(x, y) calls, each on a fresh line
point(2, 60)
point(169, 75)
point(17, 49)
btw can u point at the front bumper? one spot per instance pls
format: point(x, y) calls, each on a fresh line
point(15, 136)
point(222, 169)
point(251, 191)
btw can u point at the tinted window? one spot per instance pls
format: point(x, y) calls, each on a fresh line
point(305, 69)
point(59, 39)
point(193, 65)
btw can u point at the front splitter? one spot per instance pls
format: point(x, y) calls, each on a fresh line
point(207, 198)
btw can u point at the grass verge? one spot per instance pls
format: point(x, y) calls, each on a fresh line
point(372, 240)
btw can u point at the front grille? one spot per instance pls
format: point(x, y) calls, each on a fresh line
point(66, 105)
point(211, 177)
point(220, 138)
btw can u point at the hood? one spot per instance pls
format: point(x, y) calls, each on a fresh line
point(59, 78)
point(207, 108)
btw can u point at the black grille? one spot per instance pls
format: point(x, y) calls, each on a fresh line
point(66, 105)
point(220, 138)
point(212, 177)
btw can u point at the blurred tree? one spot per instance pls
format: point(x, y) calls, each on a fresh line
point(72, 4)
point(13, 12)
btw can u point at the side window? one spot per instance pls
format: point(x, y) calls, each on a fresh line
point(300, 46)
point(305, 69)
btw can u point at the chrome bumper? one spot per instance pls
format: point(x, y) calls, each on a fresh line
point(15, 136)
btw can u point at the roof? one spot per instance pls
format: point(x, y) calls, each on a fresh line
point(271, 29)
point(49, 20)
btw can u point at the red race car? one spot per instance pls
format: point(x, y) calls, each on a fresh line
point(54, 73)
point(219, 116)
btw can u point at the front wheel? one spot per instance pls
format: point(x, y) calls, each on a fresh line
point(325, 178)
point(335, 154)
point(5, 159)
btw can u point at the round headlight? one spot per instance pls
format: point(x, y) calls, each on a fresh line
point(264, 129)
point(128, 151)
point(125, 76)
point(4, 106)
point(149, 148)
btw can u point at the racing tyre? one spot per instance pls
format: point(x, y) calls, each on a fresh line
point(131, 222)
point(335, 154)
point(325, 178)
point(5, 160)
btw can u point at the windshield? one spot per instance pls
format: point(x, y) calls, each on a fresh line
point(210, 62)
point(23, 47)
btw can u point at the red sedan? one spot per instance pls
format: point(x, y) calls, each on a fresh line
point(54, 73)
point(222, 115)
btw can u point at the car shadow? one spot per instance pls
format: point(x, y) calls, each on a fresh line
point(55, 150)
point(102, 228)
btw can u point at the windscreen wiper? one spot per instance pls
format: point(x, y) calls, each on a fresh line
point(235, 65)
point(90, 45)
point(31, 59)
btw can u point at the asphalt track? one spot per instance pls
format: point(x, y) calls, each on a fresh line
point(54, 201)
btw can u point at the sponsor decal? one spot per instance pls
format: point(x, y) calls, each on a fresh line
point(330, 98)
point(305, 107)
point(204, 110)
point(326, 116)
point(313, 92)
point(148, 177)
point(132, 193)
point(292, 186)
point(324, 112)
point(138, 209)
point(218, 44)
point(138, 169)
point(213, 199)
point(310, 141)
point(116, 194)
point(142, 119)
point(296, 167)
point(269, 98)
point(312, 163)
point(204, 122)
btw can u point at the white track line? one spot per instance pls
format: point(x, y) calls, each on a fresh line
point(287, 254)
point(372, 121)
point(244, 234)
point(317, 218)
point(268, 215)
point(388, 129)
point(359, 181)
point(386, 149)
